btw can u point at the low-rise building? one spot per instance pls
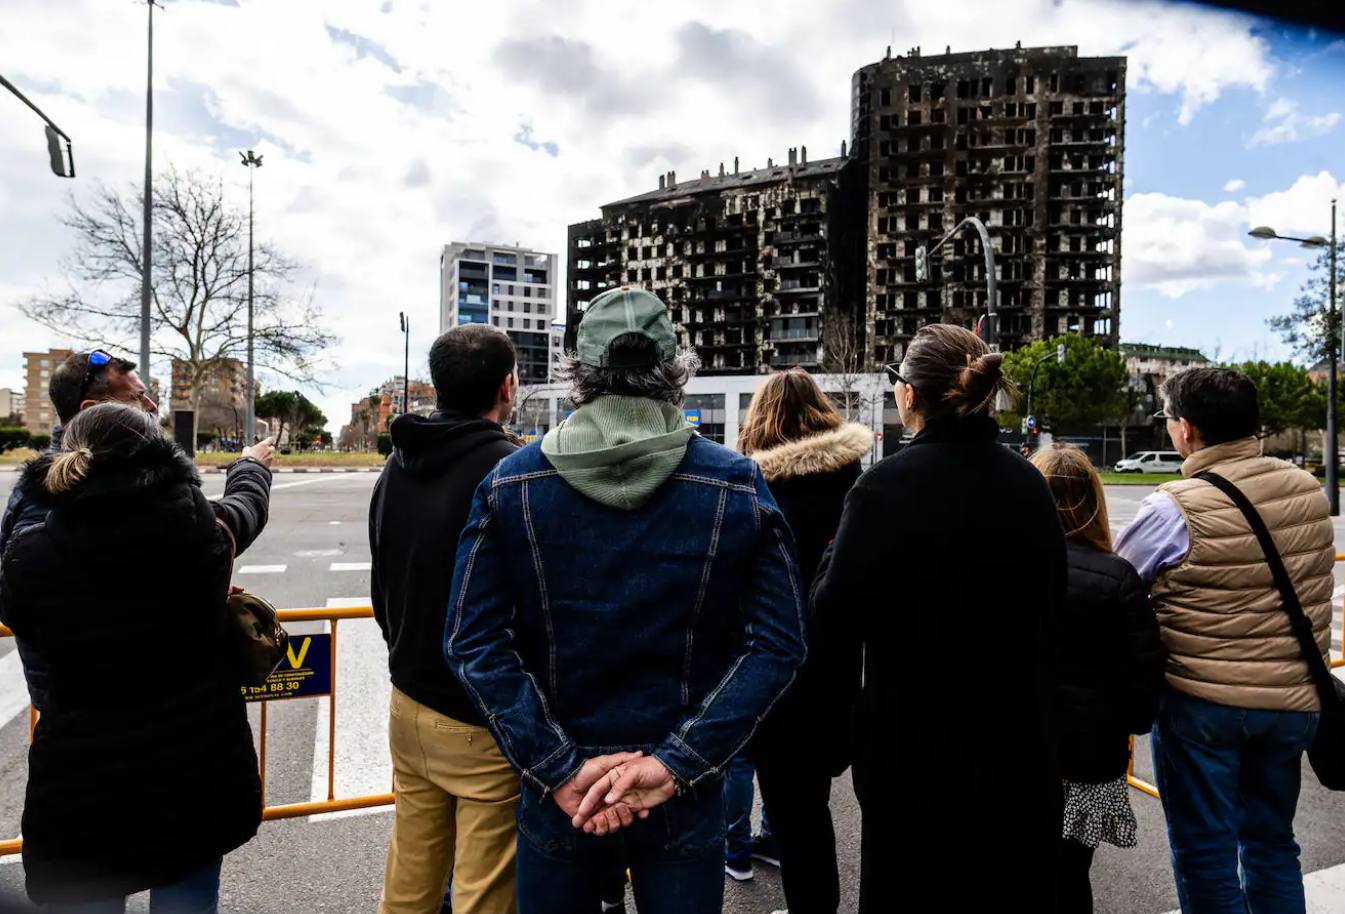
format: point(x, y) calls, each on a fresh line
point(39, 416)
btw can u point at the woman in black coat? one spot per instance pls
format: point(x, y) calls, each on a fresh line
point(1109, 662)
point(949, 565)
point(142, 773)
point(810, 458)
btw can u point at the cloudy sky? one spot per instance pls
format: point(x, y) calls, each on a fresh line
point(390, 129)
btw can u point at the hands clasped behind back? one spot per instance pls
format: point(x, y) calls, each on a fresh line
point(610, 792)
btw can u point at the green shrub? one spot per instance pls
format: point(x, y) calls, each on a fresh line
point(384, 444)
point(39, 442)
point(12, 438)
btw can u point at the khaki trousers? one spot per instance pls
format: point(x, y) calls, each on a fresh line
point(456, 798)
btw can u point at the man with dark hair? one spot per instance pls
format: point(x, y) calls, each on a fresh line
point(1240, 708)
point(82, 380)
point(455, 791)
point(626, 607)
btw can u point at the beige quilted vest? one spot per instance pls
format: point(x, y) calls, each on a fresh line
point(1221, 616)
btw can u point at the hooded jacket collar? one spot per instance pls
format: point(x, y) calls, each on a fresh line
point(826, 452)
point(619, 450)
point(1206, 457)
point(427, 445)
point(158, 463)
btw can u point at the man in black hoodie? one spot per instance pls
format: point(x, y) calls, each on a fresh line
point(456, 793)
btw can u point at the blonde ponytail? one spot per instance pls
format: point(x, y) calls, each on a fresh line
point(67, 469)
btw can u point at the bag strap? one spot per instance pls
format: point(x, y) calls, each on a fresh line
point(233, 553)
point(1298, 620)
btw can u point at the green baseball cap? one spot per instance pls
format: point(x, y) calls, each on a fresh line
point(616, 313)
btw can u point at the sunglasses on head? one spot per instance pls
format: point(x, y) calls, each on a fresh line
point(1163, 414)
point(98, 359)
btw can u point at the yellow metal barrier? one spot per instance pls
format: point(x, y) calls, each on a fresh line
point(333, 803)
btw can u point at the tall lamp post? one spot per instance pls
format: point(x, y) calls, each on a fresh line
point(251, 161)
point(990, 332)
point(147, 244)
point(1332, 456)
point(1059, 356)
point(406, 364)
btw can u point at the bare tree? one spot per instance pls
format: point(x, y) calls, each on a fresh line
point(199, 287)
point(845, 358)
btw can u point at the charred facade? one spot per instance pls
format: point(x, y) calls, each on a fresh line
point(757, 267)
point(813, 263)
point(1031, 141)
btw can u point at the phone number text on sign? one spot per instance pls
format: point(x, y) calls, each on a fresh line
point(305, 671)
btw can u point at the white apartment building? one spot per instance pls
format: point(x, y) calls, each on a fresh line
point(510, 287)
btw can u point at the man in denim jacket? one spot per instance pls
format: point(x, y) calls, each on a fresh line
point(625, 610)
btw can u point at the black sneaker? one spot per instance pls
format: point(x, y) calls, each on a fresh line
point(766, 849)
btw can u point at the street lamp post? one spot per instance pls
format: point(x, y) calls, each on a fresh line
point(147, 244)
point(990, 332)
point(251, 161)
point(406, 364)
point(1332, 456)
point(1059, 356)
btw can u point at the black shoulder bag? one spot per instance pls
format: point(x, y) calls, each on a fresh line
point(1327, 754)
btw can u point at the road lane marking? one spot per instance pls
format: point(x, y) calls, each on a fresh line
point(303, 482)
point(349, 566)
point(363, 762)
point(262, 569)
point(13, 688)
point(316, 553)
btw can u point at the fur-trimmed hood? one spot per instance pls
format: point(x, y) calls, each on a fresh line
point(159, 462)
point(824, 453)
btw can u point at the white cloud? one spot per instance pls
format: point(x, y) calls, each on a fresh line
point(1303, 209)
point(1235, 185)
point(1284, 124)
point(1177, 245)
point(385, 136)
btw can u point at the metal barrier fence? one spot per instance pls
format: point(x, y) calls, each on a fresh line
point(340, 804)
point(333, 803)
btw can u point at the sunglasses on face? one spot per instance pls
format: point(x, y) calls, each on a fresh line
point(98, 360)
point(894, 372)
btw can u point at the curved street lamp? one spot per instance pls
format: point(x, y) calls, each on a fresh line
point(1332, 455)
point(991, 328)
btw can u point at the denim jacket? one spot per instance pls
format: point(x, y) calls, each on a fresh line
point(579, 628)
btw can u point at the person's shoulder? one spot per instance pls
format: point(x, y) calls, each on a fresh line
point(711, 460)
point(520, 461)
point(1098, 562)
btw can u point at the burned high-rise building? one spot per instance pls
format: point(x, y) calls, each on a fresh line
point(813, 263)
point(756, 266)
point(1029, 140)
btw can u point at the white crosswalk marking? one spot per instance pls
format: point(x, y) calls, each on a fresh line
point(363, 691)
point(262, 569)
point(349, 566)
point(13, 689)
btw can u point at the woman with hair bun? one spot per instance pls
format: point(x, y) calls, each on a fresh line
point(141, 773)
point(949, 564)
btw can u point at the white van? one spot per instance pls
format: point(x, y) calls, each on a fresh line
point(1150, 462)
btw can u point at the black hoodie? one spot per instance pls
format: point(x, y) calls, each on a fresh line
point(417, 512)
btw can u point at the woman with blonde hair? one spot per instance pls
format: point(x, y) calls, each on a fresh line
point(1109, 674)
point(949, 565)
point(141, 773)
point(810, 458)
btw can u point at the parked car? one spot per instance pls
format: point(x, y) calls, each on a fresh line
point(1150, 462)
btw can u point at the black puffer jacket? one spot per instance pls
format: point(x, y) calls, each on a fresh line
point(809, 479)
point(142, 767)
point(1109, 664)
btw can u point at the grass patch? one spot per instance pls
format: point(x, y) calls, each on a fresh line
point(311, 459)
point(17, 456)
point(1138, 479)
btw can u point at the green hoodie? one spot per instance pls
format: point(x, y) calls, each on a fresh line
point(619, 450)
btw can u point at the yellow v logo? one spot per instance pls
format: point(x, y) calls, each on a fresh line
point(296, 662)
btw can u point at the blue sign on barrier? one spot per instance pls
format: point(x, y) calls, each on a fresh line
point(304, 671)
point(693, 417)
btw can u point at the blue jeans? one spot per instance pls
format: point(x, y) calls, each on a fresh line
point(195, 893)
point(1229, 779)
point(676, 857)
point(738, 796)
